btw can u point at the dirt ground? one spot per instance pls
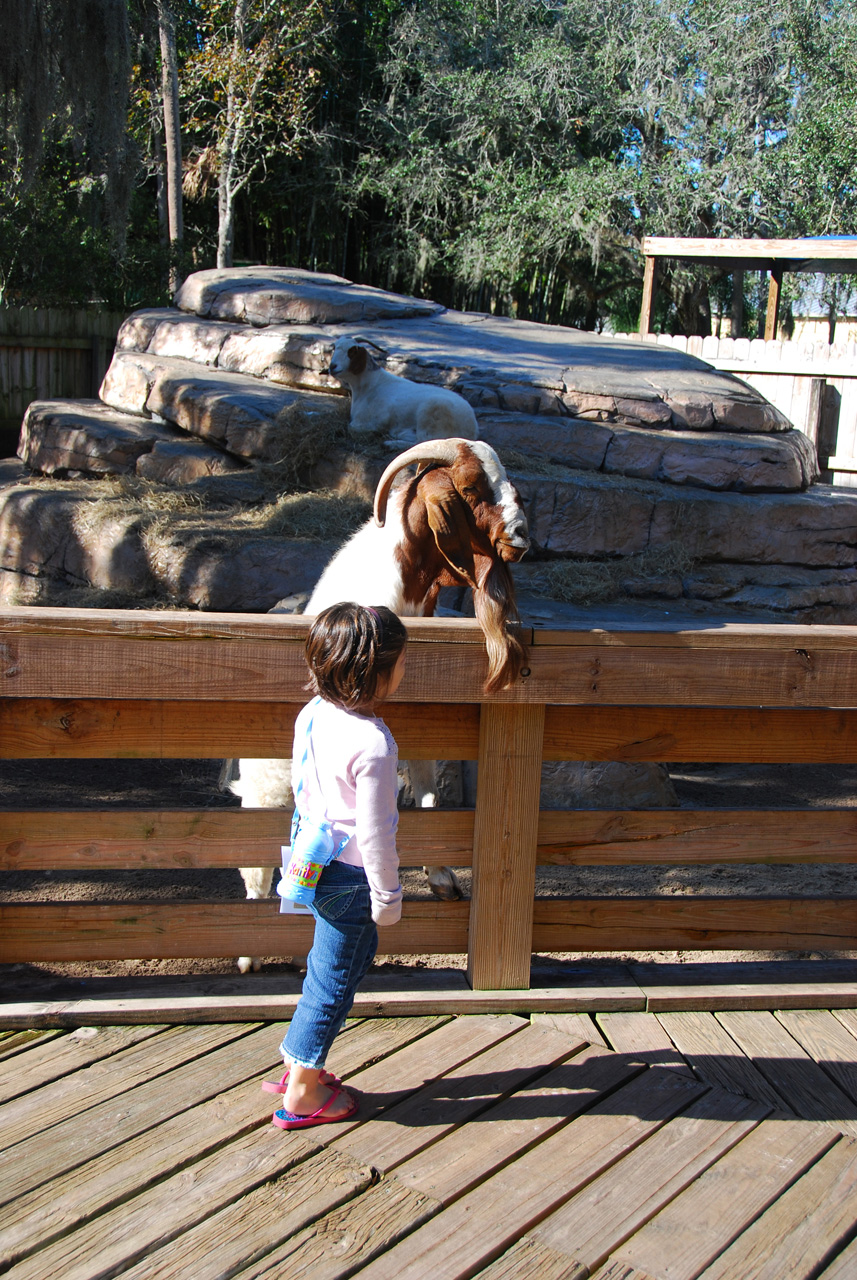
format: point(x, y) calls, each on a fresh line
point(90, 784)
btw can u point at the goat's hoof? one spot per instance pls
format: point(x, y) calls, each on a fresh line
point(246, 963)
point(444, 883)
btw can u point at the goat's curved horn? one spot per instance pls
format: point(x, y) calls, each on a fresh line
point(428, 451)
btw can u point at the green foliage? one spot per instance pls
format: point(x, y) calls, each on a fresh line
point(503, 157)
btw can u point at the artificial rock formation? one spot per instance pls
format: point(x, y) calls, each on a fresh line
point(623, 452)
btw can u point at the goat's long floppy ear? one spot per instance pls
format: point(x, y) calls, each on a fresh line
point(448, 522)
point(359, 360)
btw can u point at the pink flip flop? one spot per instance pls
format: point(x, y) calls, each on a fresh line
point(280, 1086)
point(286, 1120)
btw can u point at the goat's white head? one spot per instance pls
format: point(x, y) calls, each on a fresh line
point(469, 499)
point(351, 357)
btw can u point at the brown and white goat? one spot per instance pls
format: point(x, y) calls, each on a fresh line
point(410, 412)
point(458, 521)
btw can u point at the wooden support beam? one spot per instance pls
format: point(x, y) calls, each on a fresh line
point(773, 302)
point(504, 846)
point(737, 303)
point(650, 284)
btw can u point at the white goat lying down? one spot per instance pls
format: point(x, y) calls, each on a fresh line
point(458, 521)
point(380, 401)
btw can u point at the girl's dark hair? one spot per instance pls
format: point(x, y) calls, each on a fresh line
point(350, 649)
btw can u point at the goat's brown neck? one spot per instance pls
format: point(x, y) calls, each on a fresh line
point(425, 570)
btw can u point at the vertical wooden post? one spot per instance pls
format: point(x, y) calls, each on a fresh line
point(773, 302)
point(650, 284)
point(737, 304)
point(504, 846)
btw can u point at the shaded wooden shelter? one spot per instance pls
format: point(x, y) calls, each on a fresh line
point(825, 254)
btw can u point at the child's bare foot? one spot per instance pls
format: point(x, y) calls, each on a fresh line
point(306, 1100)
point(311, 1088)
point(281, 1085)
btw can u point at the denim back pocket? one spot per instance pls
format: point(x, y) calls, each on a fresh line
point(336, 904)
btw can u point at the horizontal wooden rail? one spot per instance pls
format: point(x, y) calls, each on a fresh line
point(123, 839)
point(177, 930)
point(118, 839)
point(184, 930)
point(734, 735)
point(686, 923)
point(216, 658)
point(91, 728)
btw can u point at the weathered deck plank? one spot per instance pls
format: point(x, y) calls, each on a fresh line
point(456, 1097)
point(46, 1061)
point(694, 1229)
point(56, 1207)
point(79, 1138)
point(591, 1225)
point(14, 1042)
point(844, 1267)
point(641, 1035)
point(457, 1164)
point(173, 1208)
point(715, 1056)
point(519, 1195)
point(528, 1260)
point(348, 1236)
point(81, 1090)
point(827, 1041)
point(260, 1220)
point(811, 1219)
point(809, 1091)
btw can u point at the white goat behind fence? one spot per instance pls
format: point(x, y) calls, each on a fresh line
point(409, 412)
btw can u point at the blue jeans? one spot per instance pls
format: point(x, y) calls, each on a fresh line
point(343, 948)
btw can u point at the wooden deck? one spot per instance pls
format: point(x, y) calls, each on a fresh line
point(620, 1145)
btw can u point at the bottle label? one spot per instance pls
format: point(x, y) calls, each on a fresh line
point(305, 874)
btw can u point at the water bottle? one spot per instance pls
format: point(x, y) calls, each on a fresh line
point(312, 848)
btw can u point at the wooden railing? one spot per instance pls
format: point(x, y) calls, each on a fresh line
point(98, 683)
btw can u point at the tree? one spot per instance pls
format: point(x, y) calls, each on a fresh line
point(524, 149)
point(248, 89)
point(65, 159)
point(172, 134)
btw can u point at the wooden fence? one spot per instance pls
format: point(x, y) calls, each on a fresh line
point(46, 353)
point(98, 683)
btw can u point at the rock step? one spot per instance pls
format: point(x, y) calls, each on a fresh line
point(776, 593)
point(87, 437)
point(494, 362)
point(287, 356)
point(590, 515)
point(785, 462)
point(57, 540)
point(250, 418)
point(272, 295)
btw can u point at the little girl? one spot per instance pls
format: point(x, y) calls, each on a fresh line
point(348, 780)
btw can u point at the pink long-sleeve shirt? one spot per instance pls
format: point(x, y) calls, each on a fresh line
point(350, 780)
